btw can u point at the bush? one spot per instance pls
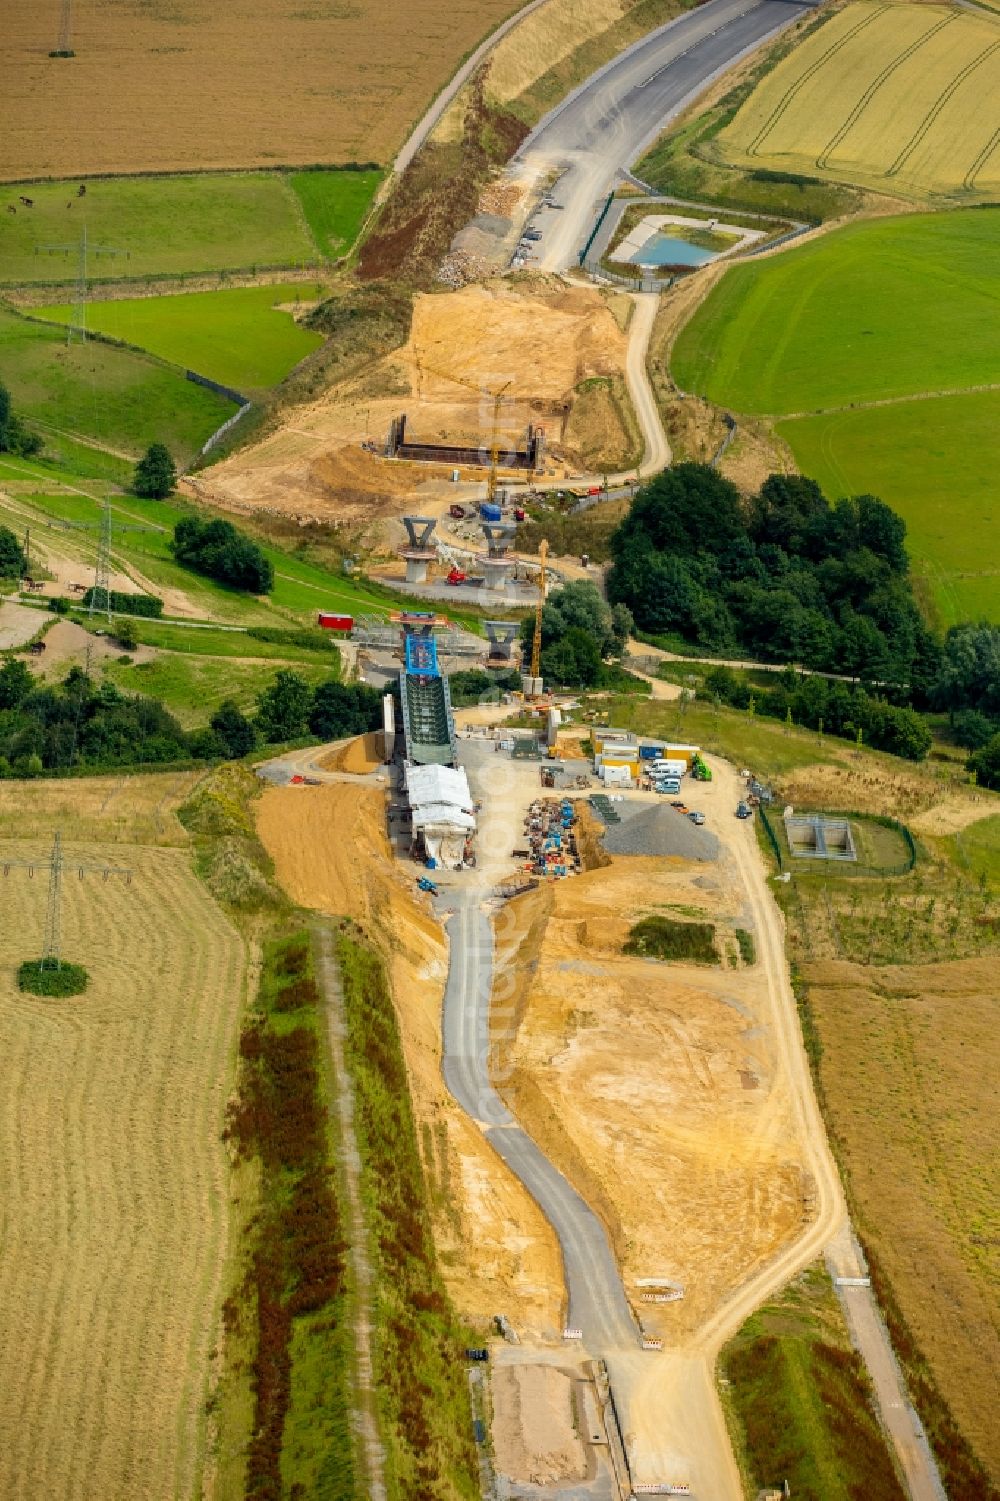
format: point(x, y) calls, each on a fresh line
point(748, 950)
point(310, 640)
point(41, 977)
point(124, 604)
point(218, 550)
point(666, 938)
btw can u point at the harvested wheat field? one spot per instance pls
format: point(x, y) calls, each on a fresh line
point(655, 1087)
point(189, 84)
point(886, 96)
point(544, 339)
point(114, 1180)
point(909, 1080)
point(497, 1251)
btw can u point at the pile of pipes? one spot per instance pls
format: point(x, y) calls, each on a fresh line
point(551, 842)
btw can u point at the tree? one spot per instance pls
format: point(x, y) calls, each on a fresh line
point(986, 764)
point(340, 709)
point(972, 729)
point(282, 708)
point(13, 563)
point(234, 730)
point(16, 683)
point(217, 549)
point(572, 660)
point(126, 636)
point(968, 676)
point(14, 436)
point(155, 474)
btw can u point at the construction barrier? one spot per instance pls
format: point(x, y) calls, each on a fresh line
point(572, 1334)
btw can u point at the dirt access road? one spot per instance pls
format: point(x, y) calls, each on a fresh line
point(668, 1401)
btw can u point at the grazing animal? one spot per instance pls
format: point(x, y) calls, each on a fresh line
point(11, 209)
point(81, 191)
point(28, 202)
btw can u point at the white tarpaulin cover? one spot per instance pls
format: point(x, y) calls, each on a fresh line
point(440, 797)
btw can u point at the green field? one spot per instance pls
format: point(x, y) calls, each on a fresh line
point(936, 462)
point(882, 308)
point(116, 398)
point(236, 337)
point(193, 687)
point(177, 225)
point(335, 205)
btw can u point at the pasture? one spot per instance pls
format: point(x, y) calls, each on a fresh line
point(114, 1167)
point(875, 345)
point(936, 463)
point(239, 337)
point(882, 308)
point(887, 97)
point(113, 399)
point(182, 225)
point(166, 87)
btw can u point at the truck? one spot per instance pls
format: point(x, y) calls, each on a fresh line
point(457, 511)
point(456, 576)
point(519, 513)
point(330, 622)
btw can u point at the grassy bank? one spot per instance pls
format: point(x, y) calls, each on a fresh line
point(800, 1404)
point(418, 1343)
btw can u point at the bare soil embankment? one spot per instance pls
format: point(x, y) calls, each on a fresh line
point(545, 339)
point(331, 853)
point(656, 1087)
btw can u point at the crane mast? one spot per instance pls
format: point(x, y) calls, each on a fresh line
point(536, 643)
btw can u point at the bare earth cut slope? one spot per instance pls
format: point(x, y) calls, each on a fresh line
point(115, 1178)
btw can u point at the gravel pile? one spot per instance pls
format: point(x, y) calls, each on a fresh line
point(659, 830)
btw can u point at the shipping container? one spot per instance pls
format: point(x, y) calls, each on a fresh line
point(650, 752)
point(336, 622)
point(490, 513)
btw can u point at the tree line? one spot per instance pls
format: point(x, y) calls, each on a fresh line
point(53, 728)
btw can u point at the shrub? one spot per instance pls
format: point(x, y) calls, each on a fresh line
point(218, 550)
point(124, 604)
point(666, 938)
point(748, 949)
point(41, 977)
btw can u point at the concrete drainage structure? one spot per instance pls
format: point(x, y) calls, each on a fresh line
point(419, 552)
point(813, 837)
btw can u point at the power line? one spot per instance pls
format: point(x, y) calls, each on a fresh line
point(55, 864)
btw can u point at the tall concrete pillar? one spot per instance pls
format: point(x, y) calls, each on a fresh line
point(501, 634)
point(419, 551)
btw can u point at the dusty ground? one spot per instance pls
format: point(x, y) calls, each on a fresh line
point(358, 756)
point(18, 623)
point(655, 1086)
point(545, 339)
point(927, 801)
point(66, 646)
point(330, 852)
point(534, 1435)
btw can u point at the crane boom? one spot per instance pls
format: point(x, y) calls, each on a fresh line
point(460, 380)
point(536, 643)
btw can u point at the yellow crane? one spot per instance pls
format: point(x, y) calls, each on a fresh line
point(536, 643)
point(497, 396)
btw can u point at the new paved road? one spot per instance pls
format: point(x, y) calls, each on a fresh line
point(604, 125)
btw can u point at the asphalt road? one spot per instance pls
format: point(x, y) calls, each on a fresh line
point(604, 125)
point(597, 1303)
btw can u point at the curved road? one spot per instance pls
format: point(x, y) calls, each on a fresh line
point(597, 1302)
point(602, 127)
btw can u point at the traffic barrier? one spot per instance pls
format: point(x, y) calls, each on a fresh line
point(651, 1342)
point(572, 1334)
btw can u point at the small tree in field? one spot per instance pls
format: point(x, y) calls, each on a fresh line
point(155, 473)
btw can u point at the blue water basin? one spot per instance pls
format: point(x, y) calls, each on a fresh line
point(664, 250)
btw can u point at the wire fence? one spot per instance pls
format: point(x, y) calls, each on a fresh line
point(847, 868)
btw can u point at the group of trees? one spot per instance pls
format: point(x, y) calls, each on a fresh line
point(967, 687)
point(787, 578)
point(219, 550)
point(53, 727)
point(579, 633)
point(14, 436)
point(13, 563)
point(838, 708)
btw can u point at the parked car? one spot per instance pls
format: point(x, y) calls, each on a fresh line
point(743, 811)
point(678, 803)
point(698, 818)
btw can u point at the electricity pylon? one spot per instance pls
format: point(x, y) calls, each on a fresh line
point(100, 595)
point(52, 952)
point(83, 249)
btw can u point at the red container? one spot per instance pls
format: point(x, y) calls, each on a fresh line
point(336, 622)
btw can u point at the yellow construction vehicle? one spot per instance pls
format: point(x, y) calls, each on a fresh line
point(480, 390)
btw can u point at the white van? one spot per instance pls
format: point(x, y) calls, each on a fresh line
point(667, 784)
